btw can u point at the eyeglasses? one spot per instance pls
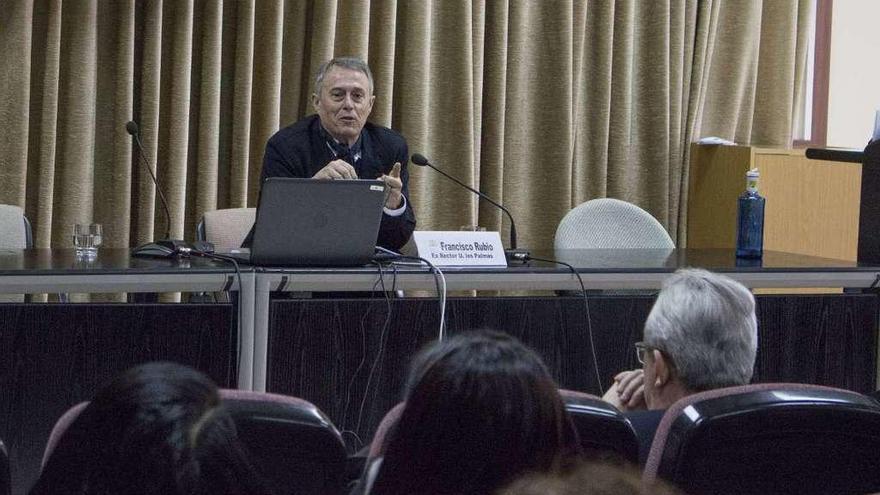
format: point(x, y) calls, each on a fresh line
point(642, 349)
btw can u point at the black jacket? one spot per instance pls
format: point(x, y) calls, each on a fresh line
point(300, 150)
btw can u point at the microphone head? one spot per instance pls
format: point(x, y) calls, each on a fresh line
point(420, 160)
point(131, 127)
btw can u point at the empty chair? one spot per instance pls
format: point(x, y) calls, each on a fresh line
point(603, 431)
point(769, 438)
point(291, 442)
point(15, 229)
point(15, 233)
point(608, 223)
point(227, 228)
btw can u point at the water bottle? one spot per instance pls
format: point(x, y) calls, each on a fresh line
point(750, 219)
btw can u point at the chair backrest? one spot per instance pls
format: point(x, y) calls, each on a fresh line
point(769, 438)
point(15, 229)
point(5, 474)
point(292, 443)
point(227, 228)
point(604, 432)
point(608, 223)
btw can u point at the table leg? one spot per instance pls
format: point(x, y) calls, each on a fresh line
point(246, 332)
point(261, 331)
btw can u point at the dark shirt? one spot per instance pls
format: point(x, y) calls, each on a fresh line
point(302, 149)
point(645, 423)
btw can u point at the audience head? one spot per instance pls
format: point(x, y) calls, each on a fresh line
point(159, 428)
point(701, 334)
point(588, 479)
point(481, 409)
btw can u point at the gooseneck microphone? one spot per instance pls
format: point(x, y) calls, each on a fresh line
point(166, 247)
point(513, 254)
point(132, 128)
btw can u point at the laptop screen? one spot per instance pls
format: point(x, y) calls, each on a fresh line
point(308, 222)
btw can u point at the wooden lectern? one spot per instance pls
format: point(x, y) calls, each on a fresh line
point(869, 200)
point(812, 205)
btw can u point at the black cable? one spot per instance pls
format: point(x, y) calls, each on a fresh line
point(227, 259)
point(589, 322)
point(383, 338)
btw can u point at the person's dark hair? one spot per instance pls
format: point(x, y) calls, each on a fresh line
point(159, 428)
point(481, 409)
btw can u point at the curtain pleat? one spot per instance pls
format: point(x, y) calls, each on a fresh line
point(267, 61)
point(16, 32)
point(243, 177)
point(74, 185)
point(208, 64)
point(542, 105)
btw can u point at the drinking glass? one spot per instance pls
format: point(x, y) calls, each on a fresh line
point(86, 239)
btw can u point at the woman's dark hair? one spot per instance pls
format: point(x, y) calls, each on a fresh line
point(481, 409)
point(159, 428)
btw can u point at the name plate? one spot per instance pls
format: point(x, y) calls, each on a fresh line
point(460, 248)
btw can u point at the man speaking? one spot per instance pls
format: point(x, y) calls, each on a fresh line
point(339, 143)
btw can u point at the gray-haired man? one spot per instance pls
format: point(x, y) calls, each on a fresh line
point(701, 334)
point(338, 143)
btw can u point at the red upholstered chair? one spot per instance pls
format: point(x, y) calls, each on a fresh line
point(769, 438)
point(377, 445)
point(292, 443)
point(602, 429)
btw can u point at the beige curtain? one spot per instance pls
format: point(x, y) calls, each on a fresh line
point(541, 104)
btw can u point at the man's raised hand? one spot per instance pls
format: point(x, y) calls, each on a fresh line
point(395, 187)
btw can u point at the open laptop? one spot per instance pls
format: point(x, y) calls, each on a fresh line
point(308, 222)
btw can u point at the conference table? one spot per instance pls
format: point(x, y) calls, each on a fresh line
point(348, 354)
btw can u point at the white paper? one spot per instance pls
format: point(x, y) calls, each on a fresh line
point(715, 140)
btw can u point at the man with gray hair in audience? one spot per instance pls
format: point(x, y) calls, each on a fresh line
point(701, 334)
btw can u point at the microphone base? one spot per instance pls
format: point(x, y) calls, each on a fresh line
point(517, 256)
point(170, 248)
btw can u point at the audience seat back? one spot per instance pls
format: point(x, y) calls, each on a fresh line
point(292, 443)
point(5, 474)
point(769, 438)
point(604, 432)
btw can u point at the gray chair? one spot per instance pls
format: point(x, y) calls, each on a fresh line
point(15, 229)
point(226, 228)
point(608, 223)
point(15, 234)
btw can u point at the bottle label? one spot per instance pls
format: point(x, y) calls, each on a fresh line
point(752, 185)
